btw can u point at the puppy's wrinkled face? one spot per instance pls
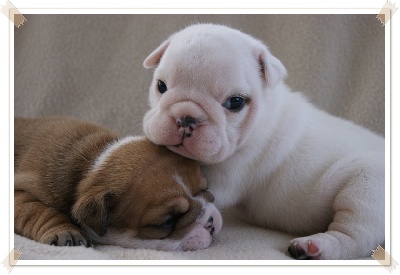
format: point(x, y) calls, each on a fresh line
point(169, 195)
point(156, 199)
point(208, 91)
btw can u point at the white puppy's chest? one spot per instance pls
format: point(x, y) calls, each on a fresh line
point(281, 200)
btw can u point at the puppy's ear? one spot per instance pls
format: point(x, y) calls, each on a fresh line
point(272, 70)
point(154, 58)
point(91, 210)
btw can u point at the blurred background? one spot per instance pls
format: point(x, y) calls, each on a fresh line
point(90, 66)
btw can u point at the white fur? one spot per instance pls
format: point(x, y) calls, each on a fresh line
point(111, 148)
point(178, 179)
point(284, 163)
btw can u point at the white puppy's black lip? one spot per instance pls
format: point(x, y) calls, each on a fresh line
point(178, 145)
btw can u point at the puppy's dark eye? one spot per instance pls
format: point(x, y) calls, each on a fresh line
point(161, 87)
point(235, 103)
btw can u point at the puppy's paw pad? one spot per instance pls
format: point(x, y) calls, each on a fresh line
point(304, 250)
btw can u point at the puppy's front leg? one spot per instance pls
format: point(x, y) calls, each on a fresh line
point(359, 216)
point(36, 220)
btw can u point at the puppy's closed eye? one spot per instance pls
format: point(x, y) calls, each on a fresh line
point(161, 227)
point(170, 221)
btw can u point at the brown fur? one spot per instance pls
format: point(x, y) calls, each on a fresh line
point(61, 200)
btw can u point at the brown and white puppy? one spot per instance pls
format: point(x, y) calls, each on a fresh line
point(217, 96)
point(77, 183)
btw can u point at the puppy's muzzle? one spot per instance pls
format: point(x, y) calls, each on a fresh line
point(207, 224)
point(212, 220)
point(186, 125)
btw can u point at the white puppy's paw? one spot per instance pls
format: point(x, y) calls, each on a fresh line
point(321, 246)
point(304, 250)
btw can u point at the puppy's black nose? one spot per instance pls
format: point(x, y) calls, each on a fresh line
point(186, 121)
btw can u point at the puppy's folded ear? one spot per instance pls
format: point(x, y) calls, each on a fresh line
point(154, 58)
point(272, 70)
point(91, 210)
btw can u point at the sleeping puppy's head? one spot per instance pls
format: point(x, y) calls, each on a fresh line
point(140, 195)
point(211, 91)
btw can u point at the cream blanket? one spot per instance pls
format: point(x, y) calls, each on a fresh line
point(237, 241)
point(90, 66)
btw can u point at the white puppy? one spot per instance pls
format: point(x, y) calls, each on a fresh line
point(217, 96)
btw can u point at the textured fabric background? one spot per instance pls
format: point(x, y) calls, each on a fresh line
point(90, 66)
